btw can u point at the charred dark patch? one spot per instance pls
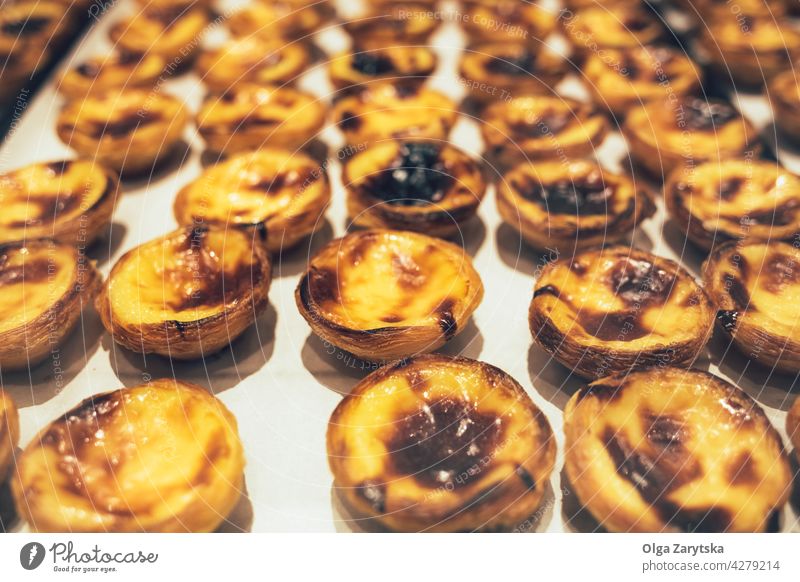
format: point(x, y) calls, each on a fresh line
point(729, 188)
point(349, 121)
point(372, 64)
point(601, 391)
point(25, 26)
point(738, 292)
point(781, 215)
point(447, 321)
point(443, 442)
point(374, 493)
point(417, 176)
point(320, 286)
point(588, 195)
point(728, 319)
point(547, 290)
point(525, 476)
point(60, 168)
point(640, 282)
point(703, 115)
point(35, 271)
point(743, 471)
point(521, 63)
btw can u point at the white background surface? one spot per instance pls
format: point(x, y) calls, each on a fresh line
point(278, 379)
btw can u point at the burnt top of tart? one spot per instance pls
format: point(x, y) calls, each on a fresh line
point(587, 194)
point(417, 176)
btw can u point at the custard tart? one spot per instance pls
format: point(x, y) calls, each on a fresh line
point(409, 65)
point(784, 97)
point(385, 111)
point(663, 137)
point(33, 26)
point(188, 294)
point(496, 71)
point(284, 191)
point(755, 287)
point(9, 434)
point(393, 24)
point(159, 457)
point(621, 26)
point(250, 116)
point(615, 309)
point(739, 199)
point(112, 72)
point(620, 80)
point(507, 21)
point(441, 444)
point(673, 450)
point(129, 132)
point(172, 32)
point(68, 200)
point(752, 51)
point(44, 287)
point(386, 295)
point(793, 426)
point(571, 205)
point(277, 19)
point(423, 186)
point(251, 60)
point(541, 127)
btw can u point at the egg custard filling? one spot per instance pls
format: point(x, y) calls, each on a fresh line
point(277, 19)
point(755, 287)
point(753, 53)
point(663, 137)
point(673, 450)
point(9, 434)
point(621, 26)
point(188, 294)
point(252, 60)
point(621, 80)
point(44, 287)
point(440, 444)
point(507, 21)
point(385, 295)
point(169, 31)
point(736, 199)
point(571, 206)
point(423, 186)
point(498, 70)
point(112, 72)
point(615, 309)
point(784, 97)
point(282, 190)
point(539, 127)
point(129, 131)
point(67, 200)
point(159, 457)
point(399, 64)
point(394, 111)
point(393, 24)
point(250, 116)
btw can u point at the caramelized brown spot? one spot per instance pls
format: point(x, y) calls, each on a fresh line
point(666, 432)
point(729, 188)
point(126, 124)
point(407, 271)
point(447, 321)
point(742, 471)
point(600, 391)
point(375, 494)
point(322, 285)
point(444, 442)
point(640, 282)
point(613, 326)
point(50, 207)
point(547, 124)
point(780, 269)
point(547, 290)
point(35, 271)
point(738, 292)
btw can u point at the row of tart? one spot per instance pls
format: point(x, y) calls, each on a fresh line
point(431, 443)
